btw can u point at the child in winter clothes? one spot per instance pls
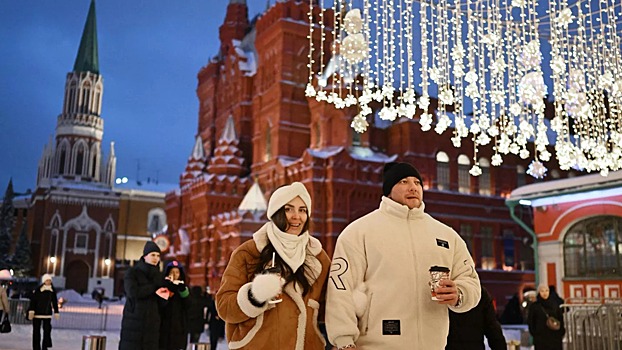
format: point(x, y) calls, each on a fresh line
point(173, 327)
point(256, 313)
point(43, 304)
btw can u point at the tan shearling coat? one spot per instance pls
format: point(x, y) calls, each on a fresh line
point(289, 325)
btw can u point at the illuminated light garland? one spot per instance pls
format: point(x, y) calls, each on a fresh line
point(484, 56)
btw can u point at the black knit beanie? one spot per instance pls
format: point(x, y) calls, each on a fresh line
point(150, 247)
point(394, 172)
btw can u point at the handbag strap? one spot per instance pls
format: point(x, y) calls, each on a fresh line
point(543, 310)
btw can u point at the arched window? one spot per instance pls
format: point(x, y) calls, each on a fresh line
point(484, 178)
point(442, 171)
point(592, 248)
point(464, 179)
point(268, 152)
point(520, 175)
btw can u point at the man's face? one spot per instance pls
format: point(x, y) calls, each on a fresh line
point(408, 191)
point(152, 258)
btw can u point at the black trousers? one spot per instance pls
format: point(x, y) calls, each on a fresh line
point(36, 333)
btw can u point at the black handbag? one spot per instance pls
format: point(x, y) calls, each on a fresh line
point(5, 326)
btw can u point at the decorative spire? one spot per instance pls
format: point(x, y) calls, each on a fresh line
point(254, 199)
point(229, 135)
point(196, 163)
point(227, 158)
point(88, 58)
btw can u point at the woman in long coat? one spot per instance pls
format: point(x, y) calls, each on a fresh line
point(43, 304)
point(140, 326)
point(545, 338)
point(266, 307)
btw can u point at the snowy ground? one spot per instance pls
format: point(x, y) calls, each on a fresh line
point(20, 338)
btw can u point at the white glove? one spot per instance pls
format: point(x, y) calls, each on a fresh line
point(266, 287)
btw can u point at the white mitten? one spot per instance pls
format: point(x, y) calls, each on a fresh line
point(266, 287)
point(359, 296)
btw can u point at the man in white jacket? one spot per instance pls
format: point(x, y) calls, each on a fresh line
point(378, 294)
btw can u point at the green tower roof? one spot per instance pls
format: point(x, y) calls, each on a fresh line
point(88, 59)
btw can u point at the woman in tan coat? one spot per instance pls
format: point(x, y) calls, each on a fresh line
point(272, 291)
point(5, 277)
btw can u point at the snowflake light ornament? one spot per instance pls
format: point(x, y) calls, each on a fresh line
point(537, 169)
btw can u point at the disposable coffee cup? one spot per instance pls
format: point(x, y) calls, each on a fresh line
point(277, 271)
point(437, 273)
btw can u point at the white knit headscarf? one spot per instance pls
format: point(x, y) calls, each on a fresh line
point(291, 248)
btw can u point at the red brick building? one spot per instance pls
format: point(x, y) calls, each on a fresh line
point(256, 128)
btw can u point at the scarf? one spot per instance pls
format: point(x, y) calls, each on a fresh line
point(45, 287)
point(291, 248)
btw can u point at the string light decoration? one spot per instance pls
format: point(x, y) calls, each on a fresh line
point(483, 60)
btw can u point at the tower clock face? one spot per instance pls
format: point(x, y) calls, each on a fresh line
point(162, 242)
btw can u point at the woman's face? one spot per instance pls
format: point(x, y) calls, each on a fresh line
point(296, 213)
point(544, 292)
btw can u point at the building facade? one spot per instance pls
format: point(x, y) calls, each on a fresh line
point(578, 225)
point(86, 228)
point(257, 131)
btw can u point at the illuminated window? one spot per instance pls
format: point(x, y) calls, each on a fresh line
point(484, 178)
point(464, 179)
point(520, 175)
point(442, 171)
point(466, 232)
point(592, 248)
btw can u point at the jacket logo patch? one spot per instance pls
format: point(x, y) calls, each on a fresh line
point(337, 269)
point(441, 243)
point(391, 327)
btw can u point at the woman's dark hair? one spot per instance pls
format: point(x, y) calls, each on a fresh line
point(265, 261)
point(280, 220)
point(265, 258)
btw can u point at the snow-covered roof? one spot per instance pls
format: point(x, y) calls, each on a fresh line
point(147, 186)
point(247, 54)
point(254, 199)
point(356, 152)
point(560, 187)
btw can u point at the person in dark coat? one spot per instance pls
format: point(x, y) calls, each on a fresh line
point(173, 326)
point(140, 326)
point(196, 313)
point(43, 304)
point(467, 330)
point(512, 313)
point(216, 324)
point(545, 338)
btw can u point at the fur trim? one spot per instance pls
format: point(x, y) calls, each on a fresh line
point(302, 317)
point(247, 308)
point(266, 287)
point(316, 310)
point(359, 297)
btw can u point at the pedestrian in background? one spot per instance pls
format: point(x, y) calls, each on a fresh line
point(5, 277)
point(545, 336)
point(43, 304)
point(196, 313)
point(468, 329)
point(140, 326)
point(216, 325)
point(173, 325)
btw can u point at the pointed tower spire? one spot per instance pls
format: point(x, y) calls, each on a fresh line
point(227, 159)
point(254, 199)
point(196, 163)
point(88, 58)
